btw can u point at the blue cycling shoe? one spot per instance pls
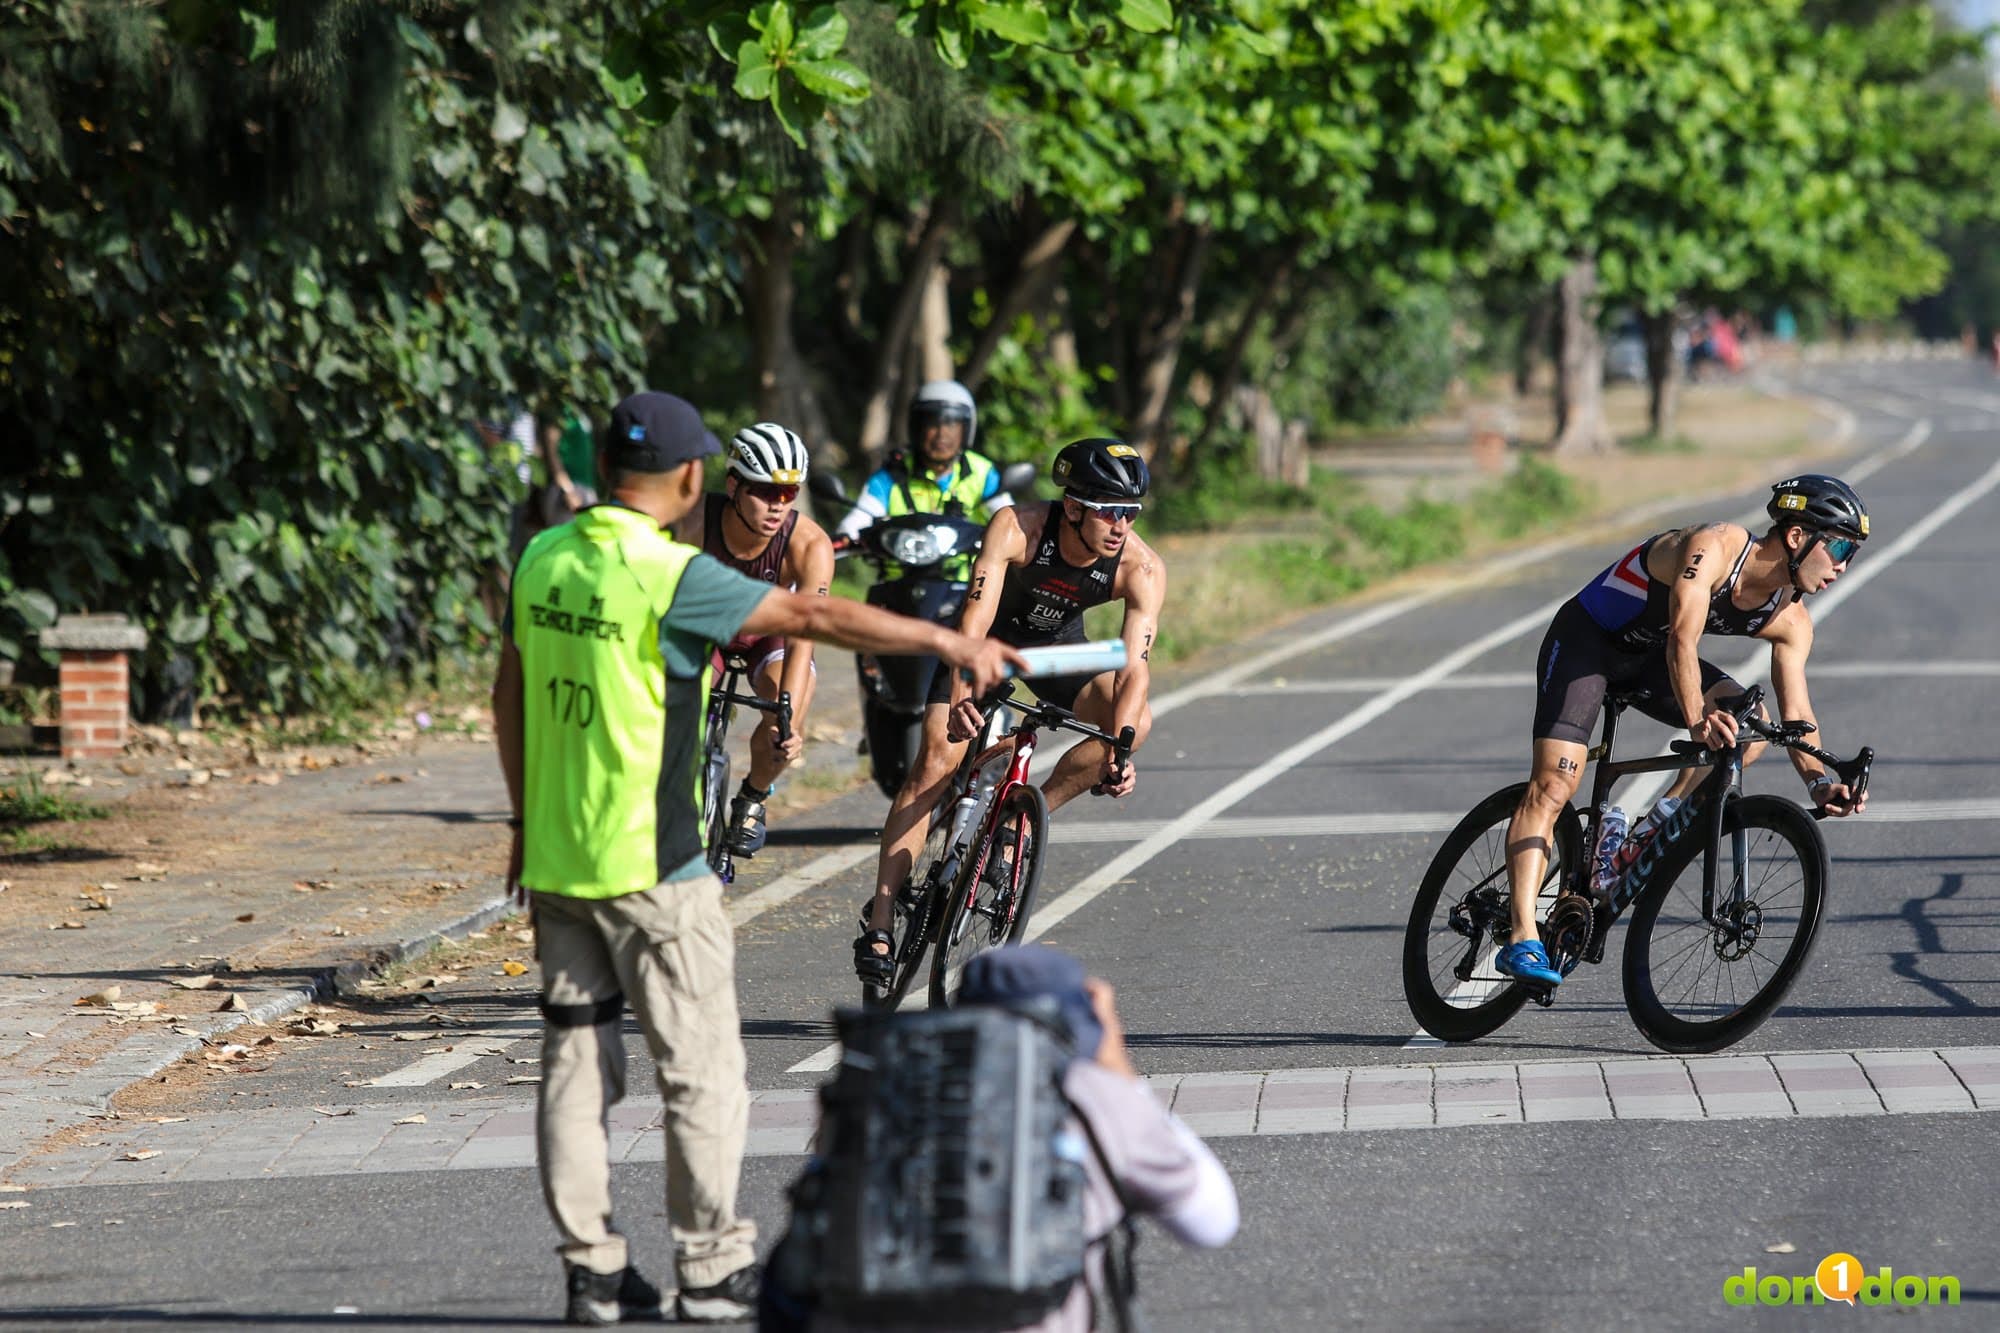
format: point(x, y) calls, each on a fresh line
point(1527, 960)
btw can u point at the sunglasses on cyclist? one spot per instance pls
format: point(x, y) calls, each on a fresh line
point(1113, 513)
point(771, 493)
point(1841, 549)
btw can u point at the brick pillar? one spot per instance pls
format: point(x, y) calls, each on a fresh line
point(96, 697)
point(96, 684)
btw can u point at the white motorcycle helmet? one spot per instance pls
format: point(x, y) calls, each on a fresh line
point(940, 401)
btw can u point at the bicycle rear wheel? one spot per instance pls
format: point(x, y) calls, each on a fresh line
point(1461, 917)
point(994, 893)
point(1697, 984)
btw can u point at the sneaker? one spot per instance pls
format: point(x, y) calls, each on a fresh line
point(746, 826)
point(1527, 960)
point(730, 1301)
point(603, 1299)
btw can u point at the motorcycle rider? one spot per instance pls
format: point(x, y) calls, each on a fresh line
point(938, 472)
point(752, 526)
point(1041, 566)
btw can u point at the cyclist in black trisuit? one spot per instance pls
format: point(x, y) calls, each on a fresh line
point(1638, 626)
point(1040, 568)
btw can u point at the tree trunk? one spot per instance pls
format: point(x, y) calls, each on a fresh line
point(1230, 374)
point(1663, 374)
point(877, 416)
point(1537, 328)
point(784, 383)
point(1034, 277)
point(1166, 325)
point(934, 326)
point(1580, 426)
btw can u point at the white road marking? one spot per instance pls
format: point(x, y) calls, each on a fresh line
point(1515, 680)
point(486, 1133)
point(470, 1048)
point(1278, 827)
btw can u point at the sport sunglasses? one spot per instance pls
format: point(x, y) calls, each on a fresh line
point(1113, 513)
point(772, 493)
point(1841, 549)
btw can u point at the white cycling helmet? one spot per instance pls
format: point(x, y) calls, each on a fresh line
point(768, 452)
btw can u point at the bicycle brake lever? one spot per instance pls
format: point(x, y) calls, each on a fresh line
point(1855, 774)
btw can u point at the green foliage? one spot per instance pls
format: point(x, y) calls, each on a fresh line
point(1534, 495)
point(1369, 359)
point(27, 801)
point(1030, 406)
point(250, 429)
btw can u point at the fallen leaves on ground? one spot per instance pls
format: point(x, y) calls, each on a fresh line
point(232, 1003)
point(147, 870)
point(418, 1119)
point(67, 925)
point(1781, 1247)
point(139, 1154)
point(205, 981)
point(331, 1113)
point(13, 1203)
point(105, 998)
point(314, 1027)
point(524, 1078)
point(461, 1087)
point(514, 968)
point(95, 900)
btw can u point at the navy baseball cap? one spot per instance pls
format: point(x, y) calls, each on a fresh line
point(657, 432)
point(1003, 977)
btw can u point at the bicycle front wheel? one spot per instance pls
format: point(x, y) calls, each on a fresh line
point(917, 911)
point(995, 891)
point(1461, 918)
point(1699, 983)
point(715, 808)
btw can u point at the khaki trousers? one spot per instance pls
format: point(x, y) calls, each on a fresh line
point(671, 952)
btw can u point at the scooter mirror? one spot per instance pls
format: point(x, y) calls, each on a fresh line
point(1016, 478)
point(827, 487)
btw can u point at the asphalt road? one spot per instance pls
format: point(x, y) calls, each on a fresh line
point(1251, 920)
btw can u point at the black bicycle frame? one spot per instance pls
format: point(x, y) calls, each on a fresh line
point(1670, 849)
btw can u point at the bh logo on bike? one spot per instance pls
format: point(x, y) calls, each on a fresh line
point(1839, 1277)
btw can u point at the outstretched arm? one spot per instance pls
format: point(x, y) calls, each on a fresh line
point(1791, 637)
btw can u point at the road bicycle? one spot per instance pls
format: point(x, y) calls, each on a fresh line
point(1707, 958)
point(972, 887)
point(723, 702)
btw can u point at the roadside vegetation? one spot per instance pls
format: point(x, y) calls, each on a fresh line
point(358, 241)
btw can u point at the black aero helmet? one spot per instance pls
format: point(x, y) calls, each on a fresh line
point(1102, 469)
point(1822, 503)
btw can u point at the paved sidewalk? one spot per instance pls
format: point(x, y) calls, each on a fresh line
point(338, 874)
point(468, 1134)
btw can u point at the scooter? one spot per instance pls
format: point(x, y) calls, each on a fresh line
point(894, 690)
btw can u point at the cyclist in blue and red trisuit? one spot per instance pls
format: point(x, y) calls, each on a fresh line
point(1637, 627)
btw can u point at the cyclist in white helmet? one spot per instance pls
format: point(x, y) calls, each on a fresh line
point(752, 526)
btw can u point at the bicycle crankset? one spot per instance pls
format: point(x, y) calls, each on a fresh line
point(1567, 930)
point(1736, 935)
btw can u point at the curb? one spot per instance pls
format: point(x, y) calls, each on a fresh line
point(339, 980)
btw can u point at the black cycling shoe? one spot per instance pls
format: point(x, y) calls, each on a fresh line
point(603, 1299)
point(746, 823)
point(874, 969)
